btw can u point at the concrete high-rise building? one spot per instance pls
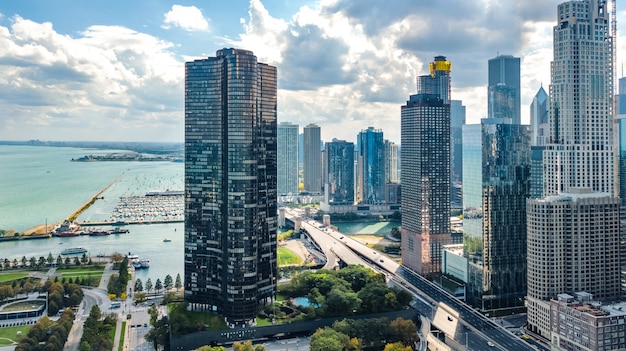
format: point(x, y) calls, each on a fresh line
point(539, 125)
point(287, 158)
point(391, 162)
point(425, 165)
point(230, 184)
point(621, 125)
point(371, 147)
point(496, 171)
point(457, 120)
point(312, 159)
point(573, 232)
point(504, 88)
point(340, 168)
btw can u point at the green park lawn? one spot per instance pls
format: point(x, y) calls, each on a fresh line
point(11, 333)
point(286, 256)
point(121, 347)
point(10, 276)
point(210, 320)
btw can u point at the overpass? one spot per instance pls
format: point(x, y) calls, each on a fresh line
point(468, 328)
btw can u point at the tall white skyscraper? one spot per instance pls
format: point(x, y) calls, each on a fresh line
point(573, 232)
point(287, 158)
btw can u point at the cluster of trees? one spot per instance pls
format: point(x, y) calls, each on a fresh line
point(43, 262)
point(159, 334)
point(117, 283)
point(351, 290)
point(377, 333)
point(62, 295)
point(59, 294)
point(96, 331)
point(237, 346)
point(25, 285)
point(46, 335)
point(86, 281)
point(167, 285)
point(353, 216)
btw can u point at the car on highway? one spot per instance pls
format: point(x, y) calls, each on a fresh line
point(490, 344)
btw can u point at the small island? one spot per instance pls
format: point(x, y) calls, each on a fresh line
point(130, 156)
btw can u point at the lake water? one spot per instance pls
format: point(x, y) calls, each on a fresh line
point(41, 183)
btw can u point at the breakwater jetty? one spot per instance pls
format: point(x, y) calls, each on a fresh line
point(75, 214)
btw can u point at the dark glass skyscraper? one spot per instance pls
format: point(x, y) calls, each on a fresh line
point(340, 167)
point(312, 159)
point(371, 147)
point(495, 188)
point(425, 165)
point(504, 88)
point(230, 184)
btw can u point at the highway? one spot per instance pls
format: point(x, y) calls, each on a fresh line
point(429, 295)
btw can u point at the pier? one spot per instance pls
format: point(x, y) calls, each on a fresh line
point(93, 199)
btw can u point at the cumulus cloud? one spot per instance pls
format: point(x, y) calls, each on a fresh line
point(189, 18)
point(358, 60)
point(107, 77)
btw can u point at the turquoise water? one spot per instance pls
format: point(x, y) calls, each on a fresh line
point(39, 183)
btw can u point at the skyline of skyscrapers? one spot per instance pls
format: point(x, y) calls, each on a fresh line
point(230, 185)
point(573, 231)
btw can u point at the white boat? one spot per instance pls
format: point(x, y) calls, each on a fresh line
point(166, 240)
point(73, 251)
point(145, 263)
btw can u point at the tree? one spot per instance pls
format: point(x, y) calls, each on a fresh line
point(148, 285)
point(154, 314)
point(159, 335)
point(397, 346)
point(328, 339)
point(139, 297)
point(32, 262)
point(138, 285)
point(50, 259)
point(158, 285)
point(168, 282)
point(178, 284)
point(246, 346)
point(84, 258)
point(210, 348)
point(405, 330)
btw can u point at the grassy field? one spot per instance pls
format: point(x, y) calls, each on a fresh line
point(11, 333)
point(10, 276)
point(121, 346)
point(286, 256)
point(212, 321)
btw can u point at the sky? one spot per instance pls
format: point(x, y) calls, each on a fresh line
point(114, 70)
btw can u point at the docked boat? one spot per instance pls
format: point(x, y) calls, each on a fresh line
point(118, 230)
point(166, 240)
point(66, 234)
point(73, 251)
point(145, 263)
point(136, 264)
point(99, 233)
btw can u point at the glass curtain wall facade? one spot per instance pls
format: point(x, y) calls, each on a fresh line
point(287, 159)
point(425, 164)
point(340, 165)
point(457, 121)
point(495, 215)
point(371, 148)
point(504, 88)
point(230, 184)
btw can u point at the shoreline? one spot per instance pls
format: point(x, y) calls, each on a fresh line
point(41, 229)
